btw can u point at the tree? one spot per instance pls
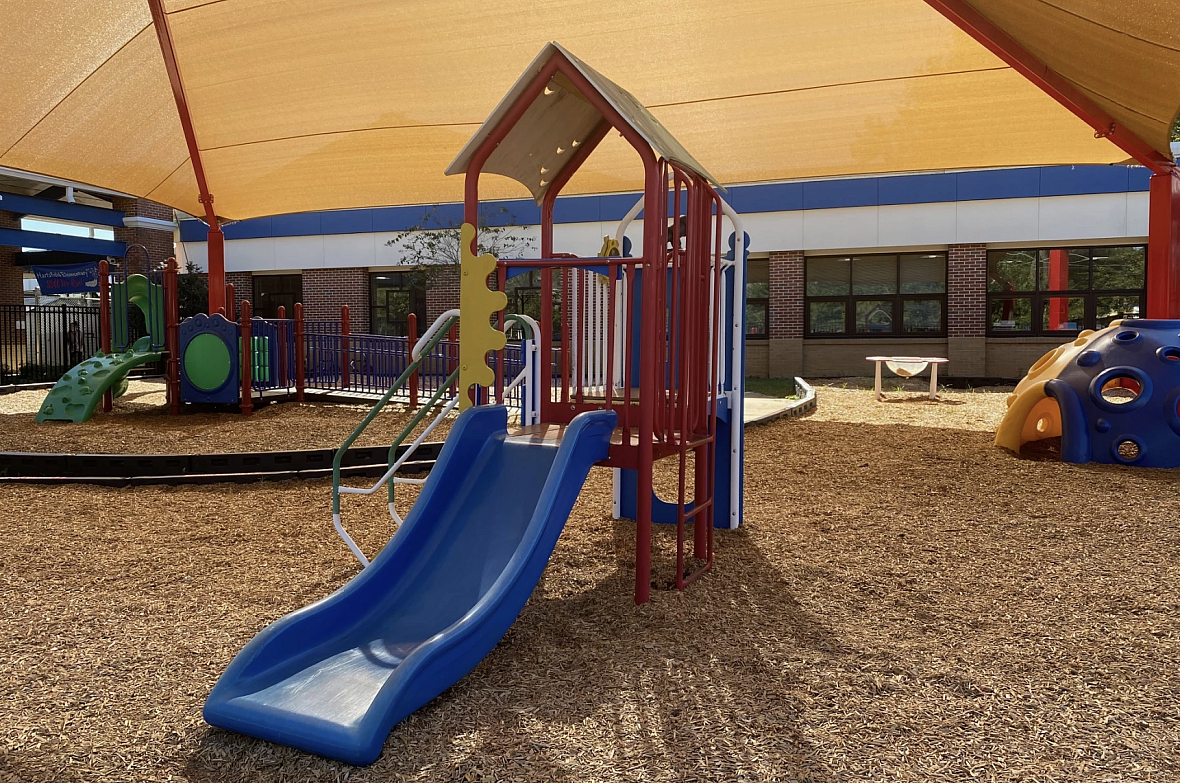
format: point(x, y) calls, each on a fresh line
point(433, 245)
point(192, 291)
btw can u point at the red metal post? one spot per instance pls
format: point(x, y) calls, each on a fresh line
point(172, 335)
point(300, 354)
point(104, 320)
point(231, 302)
point(1163, 247)
point(215, 247)
point(247, 366)
point(216, 244)
point(345, 329)
point(411, 340)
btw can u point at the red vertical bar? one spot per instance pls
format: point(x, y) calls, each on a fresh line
point(172, 336)
point(247, 404)
point(1163, 247)
point(231, 302)
point(411, 340)
point(300, 354)
point(654, 241)
point(612, 271)
point(1058, 281)
point(628, 356)
point(345, 329)
point(565, 334)
point(580, 340)
point(215, 246)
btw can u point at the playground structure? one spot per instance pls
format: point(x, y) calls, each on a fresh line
point(287, 357)
point(1111, 396)
point(645, 372)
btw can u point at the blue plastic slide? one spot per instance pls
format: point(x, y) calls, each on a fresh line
point(333, 678)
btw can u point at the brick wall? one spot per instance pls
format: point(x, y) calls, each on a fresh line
point(442, 295)
point(11, 275)
point(786, 294)
point(325, 290)
point(966, 291)
point(243, 283)
point(158, 242)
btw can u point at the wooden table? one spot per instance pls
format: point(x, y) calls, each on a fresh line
point(906, 367)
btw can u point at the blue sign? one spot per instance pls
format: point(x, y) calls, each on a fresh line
point(68, 279)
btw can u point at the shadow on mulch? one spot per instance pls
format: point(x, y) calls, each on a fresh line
point(657, 684)
point(923, 398)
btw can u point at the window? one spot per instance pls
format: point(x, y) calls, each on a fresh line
point(274, 291)
point(63, 227)
point(876, 296)
point(524, 297)
point(394, 296)
point(1061, 291)
point(758, 298)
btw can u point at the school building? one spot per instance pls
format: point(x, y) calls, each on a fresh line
point(987, 268)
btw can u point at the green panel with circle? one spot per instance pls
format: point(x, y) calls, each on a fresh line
point(207, 362)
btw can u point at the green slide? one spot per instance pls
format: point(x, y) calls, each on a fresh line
point(77, 393)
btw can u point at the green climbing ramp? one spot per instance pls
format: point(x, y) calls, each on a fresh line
point(75, 396)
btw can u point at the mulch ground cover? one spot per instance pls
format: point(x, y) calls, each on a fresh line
point(905, 602)
point(139, 424)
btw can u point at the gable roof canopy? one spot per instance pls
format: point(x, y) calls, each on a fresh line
point(534, 151)
point(324, 104)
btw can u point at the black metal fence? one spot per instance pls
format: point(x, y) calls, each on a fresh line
point(40, 343)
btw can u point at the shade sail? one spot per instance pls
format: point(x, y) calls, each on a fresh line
point(324, 104)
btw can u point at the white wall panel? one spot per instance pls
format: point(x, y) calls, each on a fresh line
point(901, 225)
point(846, 227)
point(998, 220)
point(1137, 215)
point(247, 255)
point(1083, 217)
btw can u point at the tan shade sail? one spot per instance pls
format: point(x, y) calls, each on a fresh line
point(326, 104)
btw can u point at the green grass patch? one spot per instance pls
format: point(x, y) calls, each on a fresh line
point(772, 387)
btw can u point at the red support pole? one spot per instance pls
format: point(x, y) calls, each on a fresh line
point(231, 302)
point(1163, 247)
point(216, 240)
point(1058, 281)
point(172, 335)
point(215, 247)
point(104, 320)
point(247, 366)
point(344, 332)
point(411, 339)
point(300, 358)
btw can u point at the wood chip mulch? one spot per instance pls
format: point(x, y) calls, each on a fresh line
point(139, 424)
point(905, 603)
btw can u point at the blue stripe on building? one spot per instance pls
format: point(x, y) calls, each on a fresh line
point(1029, 182)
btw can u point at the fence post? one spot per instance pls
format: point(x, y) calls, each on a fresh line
point(247, 365)
point(172, 336)
point(411, 338)
point(104, 320)
point(344, 332)
point(282, 329)
point(230, 304)
point(300, 379)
